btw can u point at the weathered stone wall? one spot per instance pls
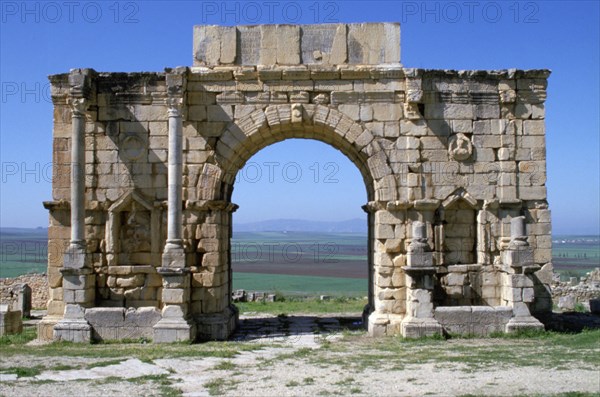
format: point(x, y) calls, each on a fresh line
point(582, 291)
point(460, 152)
point(39, 289)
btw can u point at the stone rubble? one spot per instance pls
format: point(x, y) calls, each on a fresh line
point(566, 294)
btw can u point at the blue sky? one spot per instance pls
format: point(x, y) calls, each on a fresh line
point(42, 38)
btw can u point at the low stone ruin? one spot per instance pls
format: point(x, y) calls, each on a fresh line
point(17, 297)
point(567, 294)
point(241, 295)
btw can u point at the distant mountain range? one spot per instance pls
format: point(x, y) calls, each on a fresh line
point(299, 225)
point(22, 230)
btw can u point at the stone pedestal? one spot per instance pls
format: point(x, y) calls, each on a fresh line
point(73, 327)
point(175, 325)
point(518, 287)
point(419, 319)
point(78, 294)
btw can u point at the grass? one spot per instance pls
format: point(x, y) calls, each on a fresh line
point(544, 349)
point(305, 305)
point(164, 384)
point(220, 385)
point(225, 366)
point(352, 354)
point(24, 372)
point(104, 363)
point(28, 334)
point(145, 352)
point(541, 349)
point(300, 285)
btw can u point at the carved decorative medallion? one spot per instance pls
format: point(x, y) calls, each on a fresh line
point(460, 147)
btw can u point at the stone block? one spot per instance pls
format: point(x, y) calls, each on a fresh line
point(567, 302)
point(456, 279)
point(419, 259)
point(528, 295)
point(449, 111)
point(143, 317)
point(373, 43)
point(175, 295)
point(214, 45)
point(366, 113)
point(455, 319)
point(10, 321)
point(131, 281)
point(384, 231)
point(393, 245)
point(387, 111)
point(105, 317)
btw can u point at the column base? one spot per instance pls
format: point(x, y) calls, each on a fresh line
point(72, 330)
point(517, 324)
point(383, 324)
point(174, 330)
point(413, 327)
point(217, 326)
point(76, 257)
point(173, 257)
point(45, 328)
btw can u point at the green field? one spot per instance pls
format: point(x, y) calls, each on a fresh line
point(23, 251)
point(574, 256)
point(300, 285)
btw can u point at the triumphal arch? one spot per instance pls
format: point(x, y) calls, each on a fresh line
point(453, 163)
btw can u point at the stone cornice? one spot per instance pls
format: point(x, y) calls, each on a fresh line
point(350, 72)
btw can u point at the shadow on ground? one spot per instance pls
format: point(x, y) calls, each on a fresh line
point(289, 327)
point(570, 321)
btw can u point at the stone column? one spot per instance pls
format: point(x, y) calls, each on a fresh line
point(419, 319)
point(78, 278)
point(173, 256)
point(78, 107)
point(175, 324)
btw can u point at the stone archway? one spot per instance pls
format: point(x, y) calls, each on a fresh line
point(244, 137)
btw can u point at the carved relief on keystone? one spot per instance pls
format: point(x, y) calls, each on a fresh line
point(460, 147)
point(296, 113)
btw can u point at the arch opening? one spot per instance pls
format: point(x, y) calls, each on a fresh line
point(299, 237)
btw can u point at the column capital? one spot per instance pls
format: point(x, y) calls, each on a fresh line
point(175, 106)
point(80, 82)
point(78, 106)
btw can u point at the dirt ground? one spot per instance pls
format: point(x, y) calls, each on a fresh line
point(303, 355)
